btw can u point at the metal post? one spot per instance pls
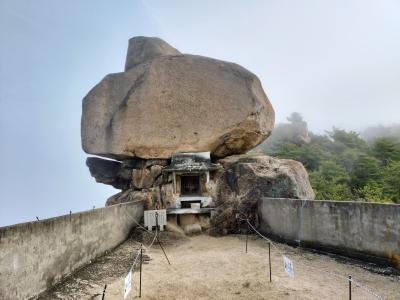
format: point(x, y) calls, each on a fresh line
point(140, 277)
point(159, 242)
point(269, 258)
point(349, 287)
point(247, 234)
point(163, 250)
point(104, 292)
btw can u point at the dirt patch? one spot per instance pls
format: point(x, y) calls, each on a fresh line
point(205, 267)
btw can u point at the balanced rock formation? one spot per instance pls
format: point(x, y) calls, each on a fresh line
point(172, 122)
point(167, 102)
point(246, 179)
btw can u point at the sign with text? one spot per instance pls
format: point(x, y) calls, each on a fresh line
point(127, 284)
point(289, 267)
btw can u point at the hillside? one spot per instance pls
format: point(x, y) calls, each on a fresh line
point(341, 164)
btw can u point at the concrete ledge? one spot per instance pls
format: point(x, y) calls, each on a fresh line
point(36, 255)
point(180, 211)
point(369, 231)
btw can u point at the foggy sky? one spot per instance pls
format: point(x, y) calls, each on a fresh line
point(335, 62)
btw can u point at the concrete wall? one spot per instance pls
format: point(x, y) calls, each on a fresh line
point(35, 255)
point(360, 229)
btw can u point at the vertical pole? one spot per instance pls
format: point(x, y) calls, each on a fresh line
point(269, 259)
point(174, 181)
point(247, 235)
point(349, 287)
point(104, 292)
point(140, 277)
point(165, 254)
point(159, 242)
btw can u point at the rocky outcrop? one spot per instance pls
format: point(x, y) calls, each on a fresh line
point(142, 49)
point(245, 179)
point(296, 133)
point(139, 180)
point(109, 172)
point(235, 187)
point(166, 102)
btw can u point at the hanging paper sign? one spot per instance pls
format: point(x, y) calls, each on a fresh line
point(289, 267)
point(127, 284)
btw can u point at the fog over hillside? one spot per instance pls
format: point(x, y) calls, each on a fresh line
point(342, 164)
point(297, 130)
point(372, 133)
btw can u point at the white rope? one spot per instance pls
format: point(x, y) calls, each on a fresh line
point(143, 246)
point(155, 237)
point(134, 262)
point(137, 223)
point(365, 287)
point(146, 248)
point(140, 226)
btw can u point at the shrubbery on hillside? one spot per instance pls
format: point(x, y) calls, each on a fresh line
point(341, 165)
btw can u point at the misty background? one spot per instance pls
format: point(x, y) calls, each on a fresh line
point(335, 62)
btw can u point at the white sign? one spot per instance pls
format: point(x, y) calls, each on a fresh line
point(127, 284)
point(289, 267)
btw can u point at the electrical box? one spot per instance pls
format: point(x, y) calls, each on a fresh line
point(151, 217)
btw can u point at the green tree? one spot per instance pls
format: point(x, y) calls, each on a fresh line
point(347, 139)
point(341, 165)
point(386, 150)
point(347, 159)
point(391, 181)
point(331, 182)
point(373, 192)
point(309, 155)
point(366, 169)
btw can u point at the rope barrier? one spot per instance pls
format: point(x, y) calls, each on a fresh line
point(338, 276)
point(137, 223)
point(145, 229)
point(333, 274)
point(134, 262)
point(138, 253)
point(365, 288)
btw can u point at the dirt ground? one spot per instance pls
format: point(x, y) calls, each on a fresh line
point(205, 267)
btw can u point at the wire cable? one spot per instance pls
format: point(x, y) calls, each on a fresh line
point(364, 287)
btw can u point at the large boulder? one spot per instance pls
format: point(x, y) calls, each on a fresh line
point(246, 179)
point(166, 102)
point(109, 172)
